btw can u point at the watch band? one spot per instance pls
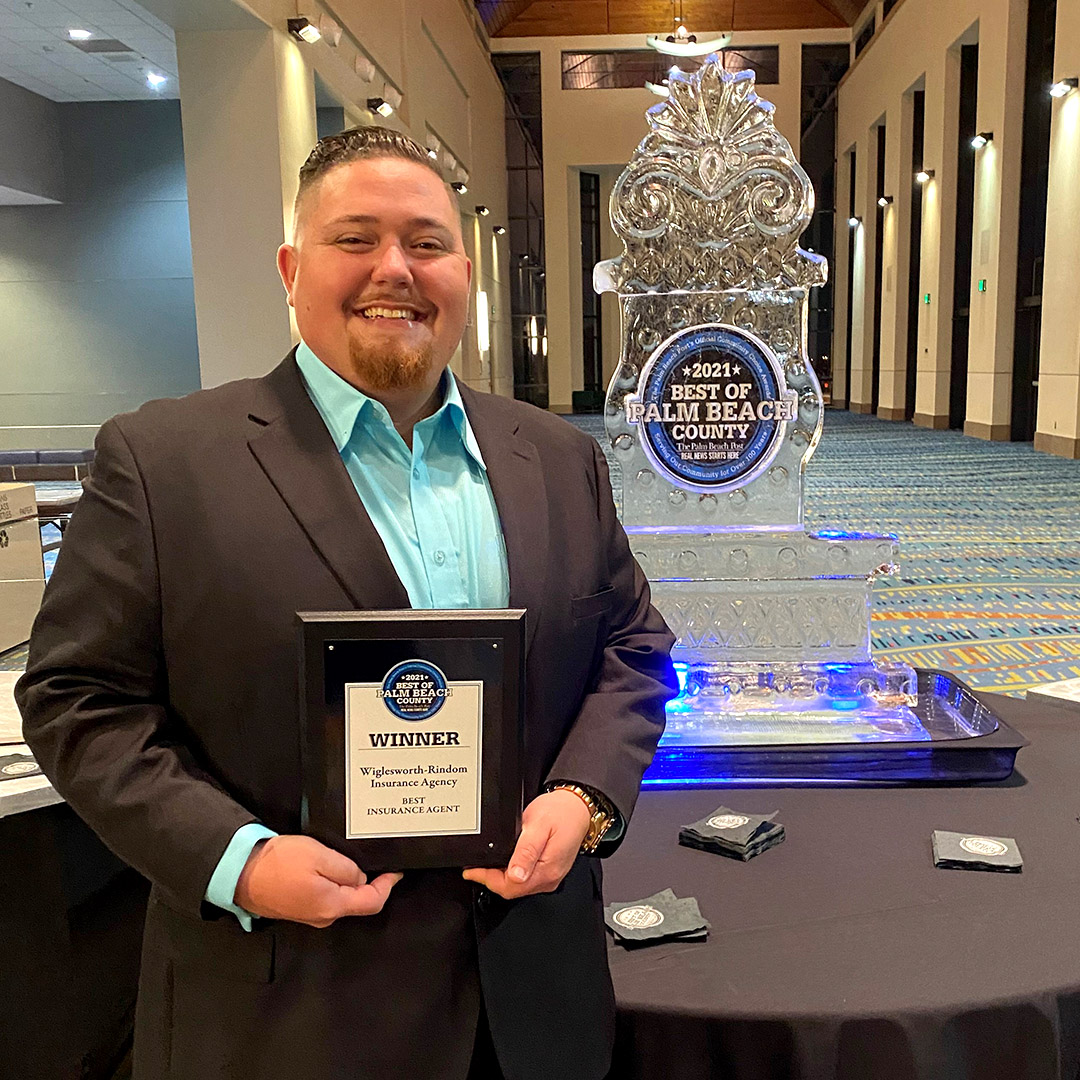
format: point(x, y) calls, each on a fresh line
point(601, 812)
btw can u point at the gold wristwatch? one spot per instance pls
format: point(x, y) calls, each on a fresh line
point(601, 812)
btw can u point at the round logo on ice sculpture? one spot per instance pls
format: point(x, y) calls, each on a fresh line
point(711, 407)
point(414, 690)
point(983, 845)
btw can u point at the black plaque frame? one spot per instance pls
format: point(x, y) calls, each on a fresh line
point(361, 646)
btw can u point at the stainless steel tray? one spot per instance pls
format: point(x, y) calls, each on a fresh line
point(962, 741)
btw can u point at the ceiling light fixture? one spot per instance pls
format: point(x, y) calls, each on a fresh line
point(482, 211)
point(498, 230)
point(79, 35)
point(459, 186)
point(155, 80)
point(854, 222)
point(924, 175)
point(884, 200)
point(304, 30)
point(681, 42)
point(1063, 86)
point(380, 105)
point(981, 139)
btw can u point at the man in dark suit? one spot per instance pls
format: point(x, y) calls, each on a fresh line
point(161, 693)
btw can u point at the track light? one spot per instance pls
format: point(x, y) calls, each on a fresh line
point(498, 230)
point(981, 139)
point(923, 175)
point(854, 222)
point(459, 186)
point(304, 30)
point(884, 201)
point(380, 105)
point(482, 211)
point(1063, 86)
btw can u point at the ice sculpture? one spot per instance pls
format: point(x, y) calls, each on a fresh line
point(714, 412)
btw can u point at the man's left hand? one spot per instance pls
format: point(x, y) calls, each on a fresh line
point(553, 827)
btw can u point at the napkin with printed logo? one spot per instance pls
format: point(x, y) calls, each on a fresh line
point(660, 917)
point(970, 851)
point(733, 833)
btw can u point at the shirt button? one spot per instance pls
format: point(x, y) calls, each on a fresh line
point(439, 557)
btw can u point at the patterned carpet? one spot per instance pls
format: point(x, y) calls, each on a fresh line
point(989, 541)
point(989, 581)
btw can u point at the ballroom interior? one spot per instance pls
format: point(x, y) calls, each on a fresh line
point(149, 154)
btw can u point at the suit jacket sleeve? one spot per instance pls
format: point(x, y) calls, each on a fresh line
point(621, 718)
point(94, 698)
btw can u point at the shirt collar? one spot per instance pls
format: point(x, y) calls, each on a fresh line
point(341, 405)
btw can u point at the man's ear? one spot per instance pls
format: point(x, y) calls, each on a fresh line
point(287, 263)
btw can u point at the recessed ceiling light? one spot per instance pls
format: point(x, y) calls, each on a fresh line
point(155, 80)
point(79, 35)
point(1063, 86)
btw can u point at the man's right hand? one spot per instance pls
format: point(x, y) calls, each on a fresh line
point(297, 878)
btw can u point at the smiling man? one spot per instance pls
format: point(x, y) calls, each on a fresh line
point(161, 693)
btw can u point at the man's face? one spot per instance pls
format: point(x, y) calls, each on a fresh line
point(378, 275)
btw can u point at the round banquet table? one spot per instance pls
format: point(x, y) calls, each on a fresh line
point(843, 952)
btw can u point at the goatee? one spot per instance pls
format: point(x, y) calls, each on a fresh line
point(390, 368)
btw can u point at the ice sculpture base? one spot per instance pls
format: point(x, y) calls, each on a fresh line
point(947, 735)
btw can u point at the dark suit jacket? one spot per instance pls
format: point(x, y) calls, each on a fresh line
point(161, 700)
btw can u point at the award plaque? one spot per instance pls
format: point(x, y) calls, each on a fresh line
point(412, 728)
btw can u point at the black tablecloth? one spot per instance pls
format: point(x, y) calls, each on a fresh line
point(844, 953)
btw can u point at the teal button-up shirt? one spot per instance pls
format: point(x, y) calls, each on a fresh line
point(431, 505)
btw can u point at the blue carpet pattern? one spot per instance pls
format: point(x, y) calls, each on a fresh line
point(989, 582)
point(989, 542)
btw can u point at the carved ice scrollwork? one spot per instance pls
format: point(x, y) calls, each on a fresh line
point(713, 197)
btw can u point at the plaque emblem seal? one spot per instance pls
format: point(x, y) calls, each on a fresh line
point(728, 821)
point(414, 690)
point(983, 845)
point(711, 404)
point(638, 917)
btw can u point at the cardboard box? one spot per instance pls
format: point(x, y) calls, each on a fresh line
point(17, 502)
point(19, 603)
point(22, 579)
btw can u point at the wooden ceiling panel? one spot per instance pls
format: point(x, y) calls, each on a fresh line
point(559, 18)
point(781, 15)
point(576, 17)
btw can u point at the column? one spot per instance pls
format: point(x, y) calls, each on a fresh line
point(1002, 42)
point(860, 393)
point(938, 251)
point(895, 219)
point(248, 103)
point(1058, 426)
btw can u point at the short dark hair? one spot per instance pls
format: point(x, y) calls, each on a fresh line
point(359, 144)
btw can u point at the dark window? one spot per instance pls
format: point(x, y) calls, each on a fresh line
point(623, 69)
point(592, 349)
point(889, 5)
point(822, 68)
point(520, 75)
point(863, 39)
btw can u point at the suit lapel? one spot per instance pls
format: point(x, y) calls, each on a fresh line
point(517, 482)
point(294, 449)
